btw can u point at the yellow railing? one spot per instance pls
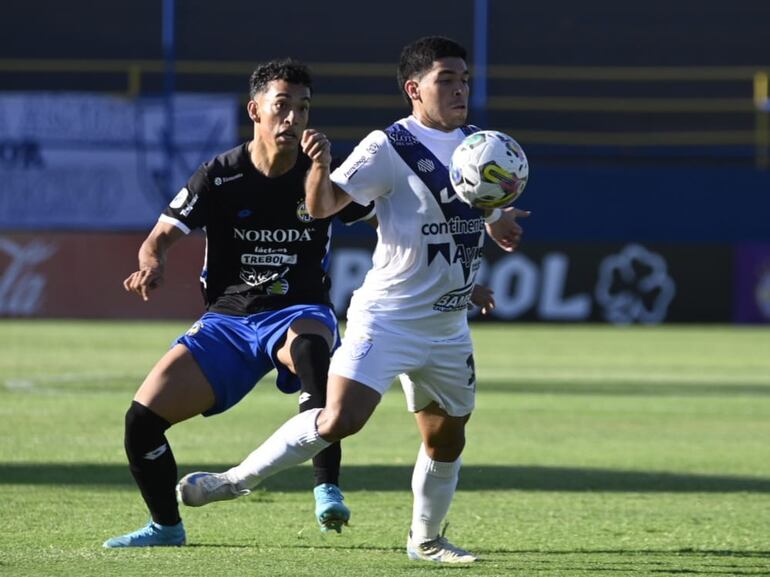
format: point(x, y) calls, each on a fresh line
point(762, 107)
point(758, 136)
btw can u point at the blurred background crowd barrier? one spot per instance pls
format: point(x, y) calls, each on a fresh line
point(646, 127)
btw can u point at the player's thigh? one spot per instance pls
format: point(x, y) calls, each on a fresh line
point(375, 355)
point(176, 388)
point(349, 404)
point(447, 378)
point(362, 370)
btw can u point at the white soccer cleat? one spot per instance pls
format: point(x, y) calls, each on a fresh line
point(438, 550)
point(198, 489)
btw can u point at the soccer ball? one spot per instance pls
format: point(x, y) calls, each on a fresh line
point(488, 169)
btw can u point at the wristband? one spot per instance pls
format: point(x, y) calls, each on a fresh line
point(493, 216)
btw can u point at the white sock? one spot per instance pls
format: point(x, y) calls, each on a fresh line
point(296, 441)
point(433, 486)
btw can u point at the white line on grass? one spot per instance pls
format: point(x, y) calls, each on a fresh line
point(46, 384)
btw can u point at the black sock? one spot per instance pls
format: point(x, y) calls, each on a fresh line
point(152, 463)
point(310, 354)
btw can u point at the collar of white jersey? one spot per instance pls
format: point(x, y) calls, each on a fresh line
point(418, 129)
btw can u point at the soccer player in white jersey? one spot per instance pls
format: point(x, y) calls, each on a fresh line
point(409, 318)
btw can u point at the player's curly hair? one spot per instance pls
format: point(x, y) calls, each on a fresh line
point(287, 69)
point(418, 57)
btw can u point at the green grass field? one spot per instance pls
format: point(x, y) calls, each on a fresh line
point(593, 451)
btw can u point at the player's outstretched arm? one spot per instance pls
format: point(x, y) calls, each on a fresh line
point(152, 260)
point(322, 197)
point(505, 231)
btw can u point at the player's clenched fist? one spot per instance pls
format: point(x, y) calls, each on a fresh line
point(317, 146)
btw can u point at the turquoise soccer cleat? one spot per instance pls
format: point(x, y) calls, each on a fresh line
point(151, 535)
point(330, 511)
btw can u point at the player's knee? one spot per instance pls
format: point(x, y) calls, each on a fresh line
point(445, 446)
point(309, 348)
point(144, 429)
point(335, 424)
point(310, 359)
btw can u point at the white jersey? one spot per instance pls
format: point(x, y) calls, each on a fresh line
point(429, 242)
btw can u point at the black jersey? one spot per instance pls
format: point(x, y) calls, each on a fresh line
point(263, 250)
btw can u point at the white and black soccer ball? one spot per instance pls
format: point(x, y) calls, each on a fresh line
point(488, 169)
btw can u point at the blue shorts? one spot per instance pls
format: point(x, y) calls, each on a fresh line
point(236, 352)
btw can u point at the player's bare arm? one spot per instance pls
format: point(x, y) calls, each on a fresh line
point(505, 231)
point(152, 260)
point(323, 197)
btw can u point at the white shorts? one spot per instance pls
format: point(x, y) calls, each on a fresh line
point(440, 370)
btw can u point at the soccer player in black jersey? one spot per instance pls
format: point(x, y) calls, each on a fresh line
point(267, 300)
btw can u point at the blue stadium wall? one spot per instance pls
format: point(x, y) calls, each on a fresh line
point(562, 32)
point(706, 211)
point(593, 196)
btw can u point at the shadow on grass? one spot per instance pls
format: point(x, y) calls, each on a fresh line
point(640, 556)
point(624, 388)
point(397, 478)
point(683, 552)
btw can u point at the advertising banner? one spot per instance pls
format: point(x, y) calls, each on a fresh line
point(619, 284)
point(74, 161)
point(80, 275)
point(76, 275)
point(751, 297)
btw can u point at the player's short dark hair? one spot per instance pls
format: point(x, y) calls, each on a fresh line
point(418, 57)
point(288, 69)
